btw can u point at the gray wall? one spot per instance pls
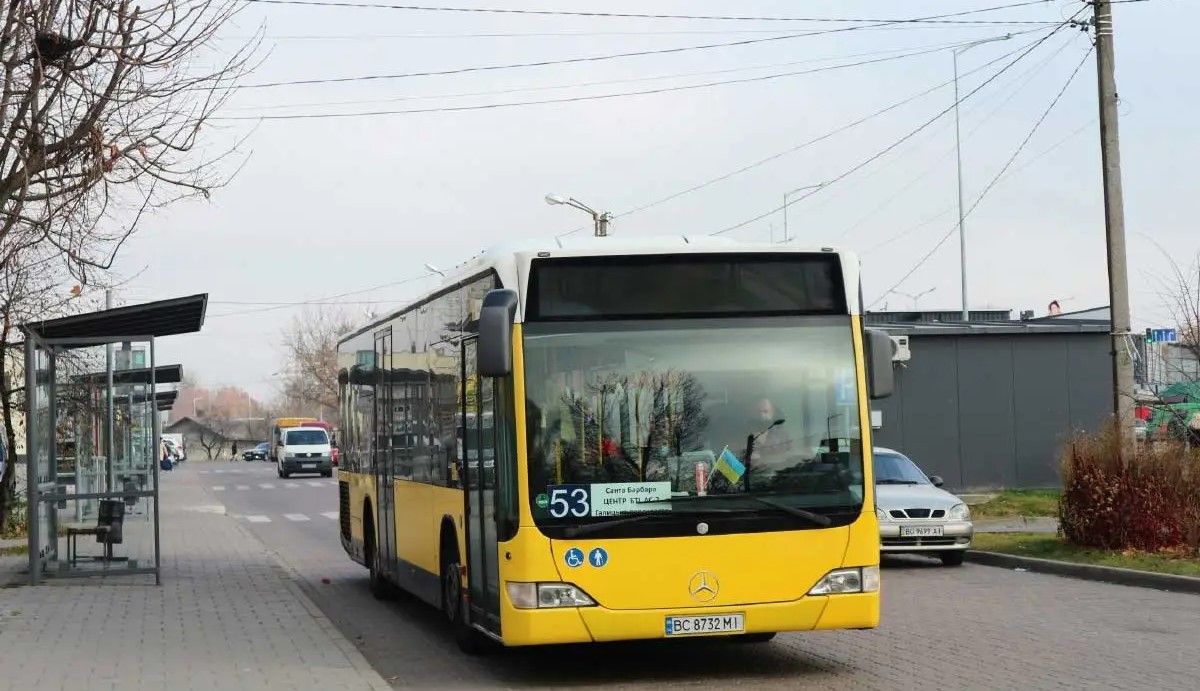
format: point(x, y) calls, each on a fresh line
point(992, 410)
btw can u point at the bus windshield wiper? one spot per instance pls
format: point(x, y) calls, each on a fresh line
point(810, 516)
point(795, 511)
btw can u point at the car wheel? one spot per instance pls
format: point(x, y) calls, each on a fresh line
point(327, 474)
point(954, 558)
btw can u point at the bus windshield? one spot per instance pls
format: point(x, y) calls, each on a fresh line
point(687, 417)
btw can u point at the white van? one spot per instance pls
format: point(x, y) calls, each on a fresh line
point(302, 450)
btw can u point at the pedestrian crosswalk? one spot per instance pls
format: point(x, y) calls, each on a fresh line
point(293, 517)
point(321, 484)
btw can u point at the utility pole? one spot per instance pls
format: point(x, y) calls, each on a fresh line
point(1114, 223)
point(962, 238)
point(109, 414)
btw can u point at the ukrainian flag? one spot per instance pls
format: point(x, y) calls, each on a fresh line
point(729, 466)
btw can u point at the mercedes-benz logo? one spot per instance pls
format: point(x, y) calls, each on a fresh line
point(704, 586)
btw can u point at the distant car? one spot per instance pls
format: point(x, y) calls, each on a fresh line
point(177, 454)
point(258, 453)
point(915, 515)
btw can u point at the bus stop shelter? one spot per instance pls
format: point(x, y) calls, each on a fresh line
point(92, 409)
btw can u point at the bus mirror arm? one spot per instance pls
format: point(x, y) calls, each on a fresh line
point(494, 353)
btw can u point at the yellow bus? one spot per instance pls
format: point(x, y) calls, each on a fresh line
point(677, 439)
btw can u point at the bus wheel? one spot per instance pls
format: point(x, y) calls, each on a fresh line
point(469, 640)
point(375, 583)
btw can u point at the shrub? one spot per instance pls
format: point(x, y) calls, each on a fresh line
point(1148, 500)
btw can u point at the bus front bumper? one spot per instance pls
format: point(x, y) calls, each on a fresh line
point(596, 624)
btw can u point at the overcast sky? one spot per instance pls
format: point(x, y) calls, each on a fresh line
point(329, 206)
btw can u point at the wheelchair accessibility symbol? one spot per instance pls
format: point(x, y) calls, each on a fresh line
point(574, 557)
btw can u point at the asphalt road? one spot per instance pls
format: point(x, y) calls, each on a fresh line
point(967, 627)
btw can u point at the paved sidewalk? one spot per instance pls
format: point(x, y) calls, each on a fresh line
point(1017, 524)
point(226, 616)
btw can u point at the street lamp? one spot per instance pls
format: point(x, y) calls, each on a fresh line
point(785, 205)
point(962, 240)
point(915, 298)
point(601, 219)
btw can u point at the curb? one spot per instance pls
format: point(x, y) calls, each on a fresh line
point(1089, 572)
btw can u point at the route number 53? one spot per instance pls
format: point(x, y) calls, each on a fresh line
point(569, 501)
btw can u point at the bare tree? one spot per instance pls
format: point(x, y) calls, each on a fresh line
point(1182, 295)
point(29, 291)
point(310, 350)
point(210, 437)
point(102, 104)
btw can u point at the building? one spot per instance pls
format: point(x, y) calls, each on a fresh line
point(989, 404)
point(214, 439)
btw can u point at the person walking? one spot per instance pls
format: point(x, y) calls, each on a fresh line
point(233, 456)
point(164, 456)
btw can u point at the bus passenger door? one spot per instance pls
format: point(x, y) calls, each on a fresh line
point(384, 464)
point(479, 484)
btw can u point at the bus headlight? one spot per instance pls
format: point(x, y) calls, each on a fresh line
point(841, 581)
point(547, 595)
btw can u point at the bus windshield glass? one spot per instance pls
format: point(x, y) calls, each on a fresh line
point(648, 424)
point(305, 437)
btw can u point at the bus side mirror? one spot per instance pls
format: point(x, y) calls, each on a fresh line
point(494, 352)
point(880, 377)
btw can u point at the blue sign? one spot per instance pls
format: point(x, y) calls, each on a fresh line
point(574, 557)
point(1165, 335)
point(598, 557)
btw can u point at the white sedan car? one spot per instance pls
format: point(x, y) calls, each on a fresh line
point(915, 515)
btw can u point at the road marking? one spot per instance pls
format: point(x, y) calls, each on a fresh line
point(218, 488)
point(295, 517)
point(331, 515)
point(218, 472)
point(267, 485)
point(316, 484)
point(258, 519)
point(243, 487)
point(291, 485)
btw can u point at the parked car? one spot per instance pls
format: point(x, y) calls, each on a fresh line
point(258, 453)
point(915, 515)
point(176, 451)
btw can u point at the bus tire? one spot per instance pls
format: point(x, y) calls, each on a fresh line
point(468, 639)
point(375, 582)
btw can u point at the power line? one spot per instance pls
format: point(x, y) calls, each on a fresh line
point(880, 154)
point(564, 34)
point(567, 61)
point(328, 300)
point(995, 179)
point(574, 99)
point(1034, 159)
point(631, 15)
point(803, 145)
point(575, 85)
point(1022, 81)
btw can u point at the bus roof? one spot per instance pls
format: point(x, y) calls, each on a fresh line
point(511, 262)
